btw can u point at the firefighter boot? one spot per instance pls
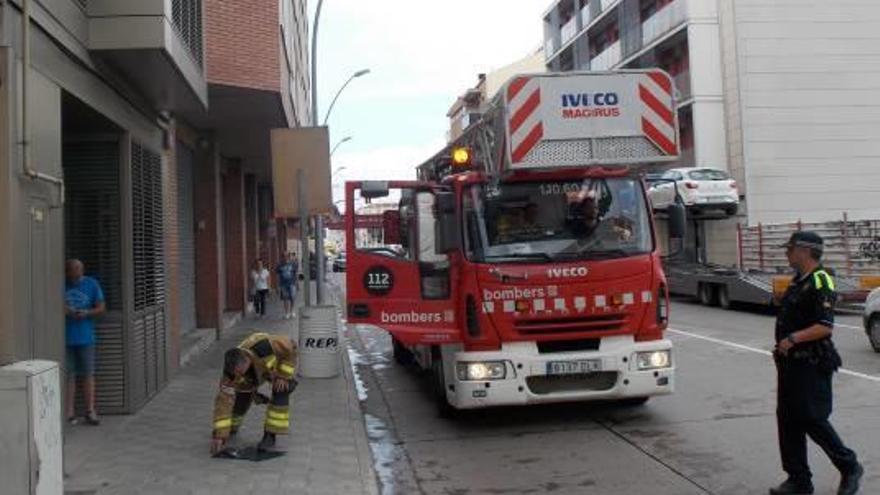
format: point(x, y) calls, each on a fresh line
point(267, 443)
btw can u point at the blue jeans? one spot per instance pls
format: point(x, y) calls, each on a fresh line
point(80, 360)
point(288, 292)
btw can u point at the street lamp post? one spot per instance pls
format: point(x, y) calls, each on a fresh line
point(319, 221)
point(343, 140)
point(319, 224)
point(357, 74)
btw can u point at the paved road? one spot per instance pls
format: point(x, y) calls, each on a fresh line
point(716, 434)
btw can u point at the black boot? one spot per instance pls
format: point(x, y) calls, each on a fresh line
point(267, 443)
point(849, 482)
point(792, 486)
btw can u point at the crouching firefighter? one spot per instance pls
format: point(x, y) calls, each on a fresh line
point(260, 358)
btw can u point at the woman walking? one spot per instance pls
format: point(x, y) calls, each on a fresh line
point(260, 279)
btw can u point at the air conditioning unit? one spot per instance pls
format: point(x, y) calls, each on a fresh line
point(30, 438)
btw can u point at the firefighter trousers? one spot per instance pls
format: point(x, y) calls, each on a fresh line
point(277, 419)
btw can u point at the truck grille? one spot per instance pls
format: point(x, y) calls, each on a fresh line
point(573, 324)
point(545, 385)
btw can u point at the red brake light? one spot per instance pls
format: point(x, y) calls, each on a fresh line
point(733, 184)
point(691, 185)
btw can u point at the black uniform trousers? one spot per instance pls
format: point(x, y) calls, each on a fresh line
point(804, 402)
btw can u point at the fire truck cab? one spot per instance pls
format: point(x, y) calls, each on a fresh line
point(523, 265)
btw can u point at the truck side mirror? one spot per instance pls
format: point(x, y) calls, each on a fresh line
point(677, 221)
point(448, 230)
point(373, 189)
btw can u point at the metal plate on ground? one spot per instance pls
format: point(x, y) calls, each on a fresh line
point(252, 454)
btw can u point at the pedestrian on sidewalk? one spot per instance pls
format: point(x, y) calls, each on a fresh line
point(805, 359)
point(84, 301)
point(260, 279)
point(260, 358)
point(286, 271)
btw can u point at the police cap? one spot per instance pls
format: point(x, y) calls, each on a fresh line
point(805, 239)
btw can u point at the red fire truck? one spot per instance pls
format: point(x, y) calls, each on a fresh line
point(523, 265)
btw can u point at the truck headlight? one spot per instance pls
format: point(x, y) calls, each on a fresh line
point(479, 371)
point(653, 360)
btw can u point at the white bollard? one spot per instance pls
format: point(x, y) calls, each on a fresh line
point(30, 439)
point(319, 342)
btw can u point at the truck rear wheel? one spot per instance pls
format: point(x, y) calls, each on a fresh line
point(724, 297)
point(706, 293)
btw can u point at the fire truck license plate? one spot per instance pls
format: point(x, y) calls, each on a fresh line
point(574, 367)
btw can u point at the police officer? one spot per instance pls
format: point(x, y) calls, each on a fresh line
point(805, 360)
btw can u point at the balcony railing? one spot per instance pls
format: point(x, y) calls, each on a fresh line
point(607, 59)
point(683, 84)
point(663, 21)
point(585, 15)
point(549, 48)
point(569, 30)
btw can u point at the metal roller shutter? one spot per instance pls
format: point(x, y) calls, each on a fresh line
point(92, 230)
point(149, 339)
point(186, 239)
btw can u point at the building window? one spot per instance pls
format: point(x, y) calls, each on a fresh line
point(648, 9)
point(603, 40)
point(147, 228)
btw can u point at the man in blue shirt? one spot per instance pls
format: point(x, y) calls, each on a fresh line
point(287, 271)
point(83, 302)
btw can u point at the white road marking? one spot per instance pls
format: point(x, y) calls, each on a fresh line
point(849, 326)
point(722, 342)
point(741, 347)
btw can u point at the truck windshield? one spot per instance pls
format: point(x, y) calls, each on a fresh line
point(550, 221)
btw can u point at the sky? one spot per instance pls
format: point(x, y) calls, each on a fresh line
point(422, 55)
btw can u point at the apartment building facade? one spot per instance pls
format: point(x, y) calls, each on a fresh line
point(469, 107)
point(781, 94)
point(135, 136)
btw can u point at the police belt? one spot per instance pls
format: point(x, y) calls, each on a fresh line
point(802, 354)
point(821, 353)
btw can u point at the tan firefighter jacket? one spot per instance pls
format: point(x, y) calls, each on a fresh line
point(272, 356)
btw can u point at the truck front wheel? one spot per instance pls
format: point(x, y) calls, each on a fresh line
point(633, 401)
point(402, 355)
point(438, 379)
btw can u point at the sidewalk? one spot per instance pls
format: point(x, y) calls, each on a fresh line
point(163, 449)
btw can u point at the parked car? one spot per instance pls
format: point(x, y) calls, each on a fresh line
point(652, 180)
point(339, 262)
point(700, 188)
point(872, 318)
